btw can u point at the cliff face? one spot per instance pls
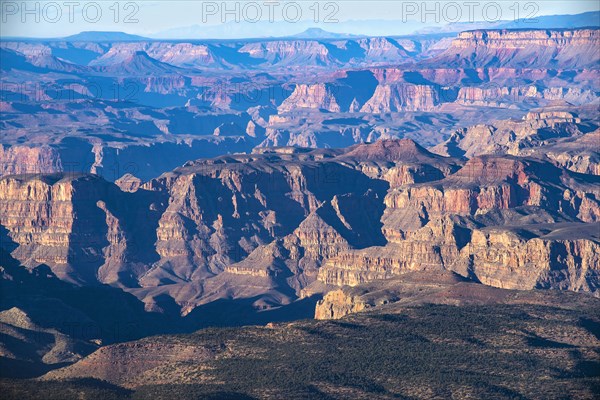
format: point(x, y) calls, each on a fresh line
point(84, 228)
point(16, 160)
point(507, 97)
point(394, 98)
point(218, 214)
point(516, 48)
point(178, 54)
point(45, 219)
point(284, 223)
point(529, 136)
point(520, 39)
point(437, 225)
point(293, 52)
point(318, 96)
point(192, 225)
point(504, 259)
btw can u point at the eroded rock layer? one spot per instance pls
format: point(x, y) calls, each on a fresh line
point(286, 223)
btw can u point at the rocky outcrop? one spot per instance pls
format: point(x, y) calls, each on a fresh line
point(577, 153)
point(535, 129)
point(45, 218)
point(521, 39)
point(516, 48)
point(318, 96)
point(293, 53)
point(510, 97)
point(16, 160)
point(438, 225)
point(393, 98)
point(283, 223)
point(128, 183)
point(406, 290)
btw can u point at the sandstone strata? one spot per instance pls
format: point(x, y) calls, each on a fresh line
point(284, 223)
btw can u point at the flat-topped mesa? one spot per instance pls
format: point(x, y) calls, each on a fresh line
point(403, 150)
point(527, 49)
point(311, 52)
point(399, 162)
point(487, 183)
point(552, 115)
point(177, 54)
point(318, 96)
point(506, 95)
point(522, 38)
point(403, 97)
point(490, 169)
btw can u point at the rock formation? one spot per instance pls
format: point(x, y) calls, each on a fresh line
point(517, 48)
point(280, 224)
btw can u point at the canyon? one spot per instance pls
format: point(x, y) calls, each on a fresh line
point(115, 106)
point(281, 224)
point(156, 195)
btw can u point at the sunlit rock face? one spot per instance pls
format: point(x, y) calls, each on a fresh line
point(284, 223)
point(307, 172)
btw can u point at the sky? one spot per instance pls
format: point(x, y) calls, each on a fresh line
point(261, 18)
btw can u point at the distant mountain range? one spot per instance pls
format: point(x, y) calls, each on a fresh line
point(318, 33)
point(100, 36)
point(588, 19)
point(263, 29)
point(368, 28)
point(341, 30)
